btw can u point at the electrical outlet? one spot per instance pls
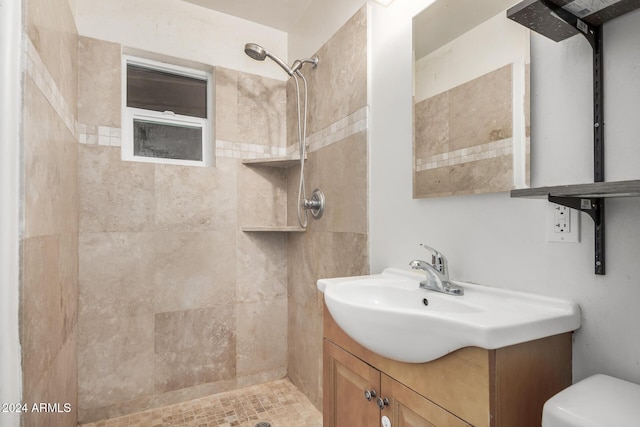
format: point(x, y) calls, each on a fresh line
point(562, 220)
point(564, 224)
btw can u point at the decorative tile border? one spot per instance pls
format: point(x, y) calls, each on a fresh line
point(343, 128)
point(37, 70)
point(99, 135)
point(237, 150)
point(490, 150)
point(111, 136)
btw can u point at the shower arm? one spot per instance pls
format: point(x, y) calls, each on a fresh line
point(298, 63)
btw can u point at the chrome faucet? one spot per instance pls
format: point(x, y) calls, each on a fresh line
point(437, 272)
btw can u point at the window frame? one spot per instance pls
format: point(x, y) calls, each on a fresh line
point(129, 114)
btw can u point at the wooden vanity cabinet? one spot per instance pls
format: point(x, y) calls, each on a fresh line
point(346, 379)
point(506, 387)
point(346, 405)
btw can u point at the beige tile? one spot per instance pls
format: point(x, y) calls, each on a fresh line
point(433, 182)
point(114, 195)
point(342, 176)
point(432, 126)
point(57, 385)
point(127, 410)
point(226, 82)
point(304, 319)
point(305, 350)
point(193, 270)
point(261, 337)
point(312, 256)
point(51, 165)
point(47, 314)
point(338, 86)
point(277, 402)
point(196, 198)
point(480, 110)
point(99, 82)
point(115, 360)
point(116, 275)
point(68, 263)
point(293, 184)
point(292, 112)
point(261, 265)
point(261, 110)
point(482, 176)
point(303, 250)
point(342, 254)
point(262, 196)
point(51, 28)
point(194, 347)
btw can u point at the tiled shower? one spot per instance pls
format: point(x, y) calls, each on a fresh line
point(140, 288)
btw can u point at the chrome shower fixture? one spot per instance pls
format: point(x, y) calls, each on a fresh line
point(316, 204)
point(257, 52)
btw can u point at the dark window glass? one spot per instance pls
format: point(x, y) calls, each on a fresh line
point(159, 91)
point(151, 139)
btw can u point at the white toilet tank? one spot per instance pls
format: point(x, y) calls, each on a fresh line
point(597, 401)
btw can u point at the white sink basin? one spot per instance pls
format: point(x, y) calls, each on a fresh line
point(390, 315)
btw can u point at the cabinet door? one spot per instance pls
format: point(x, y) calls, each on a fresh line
point(346, 378)
point(408, 409)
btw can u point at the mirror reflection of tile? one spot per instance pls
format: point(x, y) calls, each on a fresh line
point(463, 137)
point(471, 105)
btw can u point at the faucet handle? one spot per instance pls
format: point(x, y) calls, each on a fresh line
point(438, 260)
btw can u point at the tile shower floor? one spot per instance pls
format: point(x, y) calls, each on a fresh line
point(278, 403)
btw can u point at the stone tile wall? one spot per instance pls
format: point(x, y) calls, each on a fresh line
point(463, 137)
point(337, 244)
point(49, 258)
point(175, 302)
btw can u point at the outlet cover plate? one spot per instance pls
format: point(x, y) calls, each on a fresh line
point(563, 224)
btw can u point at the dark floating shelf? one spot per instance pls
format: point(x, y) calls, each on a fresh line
point(596, 190)
point(549, 17)
point(559, 20)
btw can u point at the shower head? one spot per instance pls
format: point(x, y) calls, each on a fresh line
point(257, 52)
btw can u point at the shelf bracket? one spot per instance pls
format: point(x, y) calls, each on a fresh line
point(584, 28)
point(594, 207)
point(593, 34)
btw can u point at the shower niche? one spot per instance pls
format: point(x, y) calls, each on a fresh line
point(282, 164)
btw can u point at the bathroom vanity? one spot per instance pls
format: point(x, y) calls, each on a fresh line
point(472, 386)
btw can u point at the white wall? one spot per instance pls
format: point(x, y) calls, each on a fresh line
point(491, 45)
point(319, 22)
point(10, 152)
point(499, 241)
point(182, 30)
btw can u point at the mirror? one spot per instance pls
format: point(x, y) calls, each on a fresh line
point(471, 99)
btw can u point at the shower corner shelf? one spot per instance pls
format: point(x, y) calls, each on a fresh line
point(274, 229)
point(559, 20)
point(273, 162)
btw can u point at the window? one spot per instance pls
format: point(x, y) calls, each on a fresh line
point(167, 113)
